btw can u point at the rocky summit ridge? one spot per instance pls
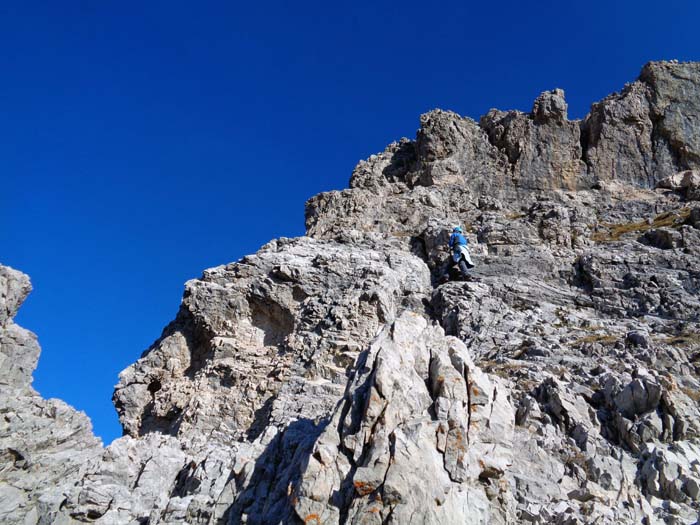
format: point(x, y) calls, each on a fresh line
point(332, 379)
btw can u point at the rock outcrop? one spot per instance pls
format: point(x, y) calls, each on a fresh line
point(334, 378)
point(44, 444)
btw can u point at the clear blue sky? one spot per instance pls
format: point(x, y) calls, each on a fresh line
point(143, 142)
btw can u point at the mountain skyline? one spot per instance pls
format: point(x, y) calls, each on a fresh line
point(145, 144)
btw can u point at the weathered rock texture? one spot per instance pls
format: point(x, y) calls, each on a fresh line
point(44, 444)
point(332, 379)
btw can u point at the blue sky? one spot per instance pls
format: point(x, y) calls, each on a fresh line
point(144, 142)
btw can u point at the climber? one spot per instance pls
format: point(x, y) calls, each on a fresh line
point(459, 256)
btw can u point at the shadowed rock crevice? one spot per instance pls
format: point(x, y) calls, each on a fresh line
point(277, 470)
point(276, 322)
point(261, 420)
point(197, 337)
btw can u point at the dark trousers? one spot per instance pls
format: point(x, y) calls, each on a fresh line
point(450, 262)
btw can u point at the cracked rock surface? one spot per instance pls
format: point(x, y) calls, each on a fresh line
point(417, 407)
point(44, 443)
point(334, 379)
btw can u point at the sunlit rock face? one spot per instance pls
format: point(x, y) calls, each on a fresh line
point(45, 445)
point(335, 378)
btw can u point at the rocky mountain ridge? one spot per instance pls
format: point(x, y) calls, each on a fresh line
point(331, 378)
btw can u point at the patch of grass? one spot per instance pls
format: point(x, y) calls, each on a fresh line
point(513, 216)
point(589, 328)
point(509, 365)
point(613, 232)
point(526, 384)
point(691, 393)
point(577, 458)
point(503, 370)
point(686, 339)
point(604, 339)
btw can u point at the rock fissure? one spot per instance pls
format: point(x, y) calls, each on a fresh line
point(469, 401)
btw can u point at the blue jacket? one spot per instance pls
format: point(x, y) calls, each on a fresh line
point(457, 239)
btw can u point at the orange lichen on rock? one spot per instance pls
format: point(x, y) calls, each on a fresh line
point(363, 488)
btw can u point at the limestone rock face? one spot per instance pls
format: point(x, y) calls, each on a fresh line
point(19, 351)
point(337, 378)
point(44, 444)
point(618, 133)
point(299, 310)
point(675, 106)
point(451, 149)
point(649, 130)
point(444, 418)
point(543, 148)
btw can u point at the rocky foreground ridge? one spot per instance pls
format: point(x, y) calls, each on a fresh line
point(331, 379)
